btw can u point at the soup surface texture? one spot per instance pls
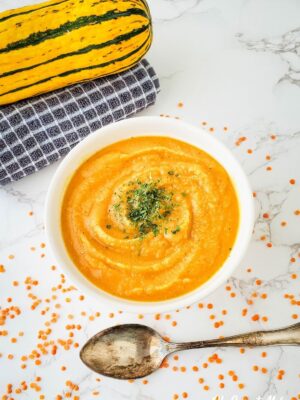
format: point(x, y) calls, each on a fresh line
point(149, 218)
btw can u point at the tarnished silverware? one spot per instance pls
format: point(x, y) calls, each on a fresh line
point(132, 351)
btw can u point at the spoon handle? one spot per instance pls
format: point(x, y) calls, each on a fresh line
point(285, 336)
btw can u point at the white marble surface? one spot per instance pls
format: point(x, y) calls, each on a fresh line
point(232, 63)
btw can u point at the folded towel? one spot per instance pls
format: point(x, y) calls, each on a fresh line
point(38, 131)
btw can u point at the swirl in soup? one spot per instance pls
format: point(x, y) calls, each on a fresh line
point(149, 218)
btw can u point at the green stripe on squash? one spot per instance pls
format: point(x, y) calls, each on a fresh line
point(30, 11)
point(75, 71)
point(39, 37)
point(20, 59)
point(117, 40)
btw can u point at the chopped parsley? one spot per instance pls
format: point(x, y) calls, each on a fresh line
point(177, 229)
point(117, 206)
point(148, 204)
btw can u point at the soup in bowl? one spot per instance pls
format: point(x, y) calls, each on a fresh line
point(149, 214)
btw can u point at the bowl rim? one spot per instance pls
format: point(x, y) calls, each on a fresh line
point(127, 128)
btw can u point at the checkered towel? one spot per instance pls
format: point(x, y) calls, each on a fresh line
point(36, 132)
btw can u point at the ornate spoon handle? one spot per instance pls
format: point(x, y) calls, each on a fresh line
point(285, 336)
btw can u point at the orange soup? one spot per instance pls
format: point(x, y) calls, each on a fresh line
point(149, 218)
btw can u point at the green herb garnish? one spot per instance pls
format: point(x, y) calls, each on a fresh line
point(147, 205)
point(117, 206)
point(177, 229)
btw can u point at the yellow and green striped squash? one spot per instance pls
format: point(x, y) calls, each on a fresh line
point(61, 42)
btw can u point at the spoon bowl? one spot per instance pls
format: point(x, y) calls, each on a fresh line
point(125, 351)
point(133, 351)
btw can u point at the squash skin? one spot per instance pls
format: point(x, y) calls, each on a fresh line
point(62, 42)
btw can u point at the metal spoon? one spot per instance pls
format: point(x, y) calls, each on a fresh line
point(133, 351)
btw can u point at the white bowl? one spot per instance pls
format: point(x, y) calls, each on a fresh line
point(147, 126)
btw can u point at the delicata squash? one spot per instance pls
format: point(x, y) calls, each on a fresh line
point(50, 45)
